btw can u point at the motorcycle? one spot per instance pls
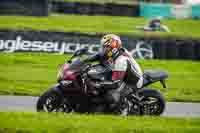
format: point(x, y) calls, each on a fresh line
point(76, 91)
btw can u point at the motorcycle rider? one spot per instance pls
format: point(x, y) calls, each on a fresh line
point(125, 70)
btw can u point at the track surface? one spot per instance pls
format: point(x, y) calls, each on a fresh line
point(27, 104)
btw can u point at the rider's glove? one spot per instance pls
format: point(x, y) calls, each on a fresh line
point(110, 84)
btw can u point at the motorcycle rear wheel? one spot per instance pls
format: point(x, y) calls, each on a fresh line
point(153, 102)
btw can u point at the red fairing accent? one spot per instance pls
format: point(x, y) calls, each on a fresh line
point(65, 66)
point(118, 75)
point(68, 74)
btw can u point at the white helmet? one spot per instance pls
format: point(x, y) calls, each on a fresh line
point(110, 45)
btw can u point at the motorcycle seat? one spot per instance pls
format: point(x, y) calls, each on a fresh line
point(155, 75)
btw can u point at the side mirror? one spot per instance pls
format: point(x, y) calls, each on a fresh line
point(81, 51)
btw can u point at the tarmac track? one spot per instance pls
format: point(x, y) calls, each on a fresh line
point(28, 104)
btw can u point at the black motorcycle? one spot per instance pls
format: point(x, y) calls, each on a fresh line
point(76, 91)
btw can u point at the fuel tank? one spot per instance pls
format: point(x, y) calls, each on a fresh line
point(100, 73)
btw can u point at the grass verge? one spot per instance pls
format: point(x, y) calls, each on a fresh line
point(73, 123)
point(99, 24)
point(33, 73)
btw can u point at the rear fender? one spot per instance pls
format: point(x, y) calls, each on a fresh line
point(163, 82)
point(148, 82)
point(149, 91)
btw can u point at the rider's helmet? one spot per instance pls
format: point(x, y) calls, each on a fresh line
point(111, 44)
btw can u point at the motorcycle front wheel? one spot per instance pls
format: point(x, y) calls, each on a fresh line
point(52, 101)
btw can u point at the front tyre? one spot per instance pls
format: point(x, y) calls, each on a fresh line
point(52, 101)
point(152, 103)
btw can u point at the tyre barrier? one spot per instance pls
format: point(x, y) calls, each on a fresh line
point(95, 8)
point(24, 7)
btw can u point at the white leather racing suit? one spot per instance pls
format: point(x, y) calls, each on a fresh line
point(122, 66)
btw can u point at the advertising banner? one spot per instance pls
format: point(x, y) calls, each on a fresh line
point(63, 43)
point(181, 11)
point(148, 10)
point(196, 11)
point(66, 43)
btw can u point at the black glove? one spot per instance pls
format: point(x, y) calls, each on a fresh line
point(92, 58)
point(110, 84)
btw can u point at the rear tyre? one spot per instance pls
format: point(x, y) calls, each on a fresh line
point(152, 103)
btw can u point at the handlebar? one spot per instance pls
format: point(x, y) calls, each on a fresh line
point(85, 68)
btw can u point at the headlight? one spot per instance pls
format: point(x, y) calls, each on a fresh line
point(60, 74)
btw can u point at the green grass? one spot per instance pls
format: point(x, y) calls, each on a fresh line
point(98, 24)
point(129, 2)
point(33, 73)
point(73, 123)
